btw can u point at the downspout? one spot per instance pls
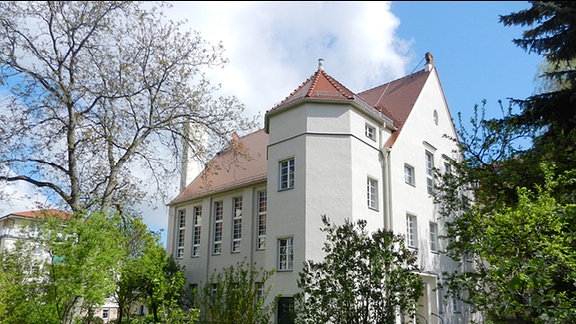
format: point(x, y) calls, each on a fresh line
point(253, 221)
point(386, 184)
point(209, 236)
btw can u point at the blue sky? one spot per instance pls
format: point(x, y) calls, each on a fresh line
point(473, 52)
point(274, 46)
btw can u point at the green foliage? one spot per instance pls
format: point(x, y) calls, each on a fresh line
point(520, 229)
point(552, 33)
point(152, 277)
point(86, 259)
point(525, 261)
point(76, 273)
point(363, 278)
point(21, 291)
point(236, 294)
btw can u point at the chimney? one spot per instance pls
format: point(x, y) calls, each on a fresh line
point(192, 164)
point(320, 64)
point(429, 62)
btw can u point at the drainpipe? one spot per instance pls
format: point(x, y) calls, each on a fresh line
point(386, 185)
point(208, 245)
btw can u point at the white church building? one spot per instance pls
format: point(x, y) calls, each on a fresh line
point(325, 150)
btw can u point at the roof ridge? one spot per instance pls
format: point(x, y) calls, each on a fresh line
point(393, 81)
point(309, 79)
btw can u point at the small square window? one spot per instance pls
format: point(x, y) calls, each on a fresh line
point(370, 132)
point(409, 174)
point(105, 313)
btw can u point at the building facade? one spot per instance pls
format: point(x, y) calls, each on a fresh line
point(325, 150)
point(23, 225)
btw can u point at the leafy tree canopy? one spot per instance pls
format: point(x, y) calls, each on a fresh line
point(364, 278)
point(236, 294)
point(552, 34)
point(524, 257)
point(70, 267)
point(94, 91)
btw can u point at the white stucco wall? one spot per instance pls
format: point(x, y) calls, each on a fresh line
point(199, 268)
point(333, 159)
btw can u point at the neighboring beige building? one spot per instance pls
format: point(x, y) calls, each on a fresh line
point(20, 225)
point(325, 150)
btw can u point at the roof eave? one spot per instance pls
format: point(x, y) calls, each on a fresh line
point(356, 102)
point(208, 192)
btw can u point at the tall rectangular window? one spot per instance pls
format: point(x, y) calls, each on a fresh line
point(197, 230)
point(285, 254)
point(456, 307)
point(237, 224)
point(181, 233)
point(411, 231)
point(429, 172)
point(447, 168)
point(440, 300)
point(218, 216)
point(262, 210)
point(433, 237)
point(372, 193)
point(286, 169)
point(259, 291)
point(409, 174)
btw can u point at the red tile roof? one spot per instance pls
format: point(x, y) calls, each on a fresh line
point(319, 85)
point(393, 100)
point(243, 164)
point(396, 99)
point(40, 213)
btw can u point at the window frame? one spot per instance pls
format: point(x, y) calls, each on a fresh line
point(372, 193)
point(434, 247)
point(409, 177)
point(412, 231)
point(370, 132)
point(197, 224)
point(218, 230)
point(180, 244)
point(286, 172)
point(447, 167)
point(236, 224)
point(429, 167)
point(262, 214)
point(456, 304)
point(287, 263)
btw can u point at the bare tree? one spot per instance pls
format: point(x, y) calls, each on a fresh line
point(93, 91)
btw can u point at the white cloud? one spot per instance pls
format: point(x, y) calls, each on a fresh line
point(20, 196)
point(274, 46)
